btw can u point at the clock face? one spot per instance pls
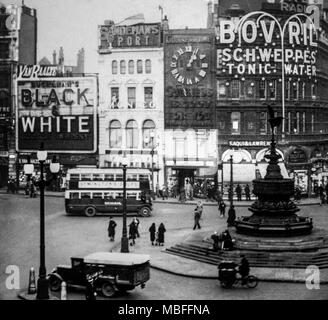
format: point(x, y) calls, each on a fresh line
point(189, 66)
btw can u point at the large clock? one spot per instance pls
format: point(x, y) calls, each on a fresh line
point(188, 65)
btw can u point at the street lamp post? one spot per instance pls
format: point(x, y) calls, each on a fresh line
point(231, 182)
point(152, 135)
point(42, 284)
point(125, 239)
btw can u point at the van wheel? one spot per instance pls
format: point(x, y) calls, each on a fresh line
point(90, 211)
point(108, 290)
point(54, 283)
point(145, 212)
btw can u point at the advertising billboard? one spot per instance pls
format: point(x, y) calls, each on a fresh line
point(60, 112)
point(139, 35)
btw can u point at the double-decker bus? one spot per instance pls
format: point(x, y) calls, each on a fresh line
point(92, 191)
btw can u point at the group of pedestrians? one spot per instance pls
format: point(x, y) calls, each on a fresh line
point(156, 236)
point(239, 192)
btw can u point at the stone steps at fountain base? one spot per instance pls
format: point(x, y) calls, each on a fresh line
point(202, 253)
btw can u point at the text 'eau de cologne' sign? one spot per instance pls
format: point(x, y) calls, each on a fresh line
point(60, 112)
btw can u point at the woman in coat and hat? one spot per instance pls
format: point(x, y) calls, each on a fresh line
point(152, 231)
point(161, 231)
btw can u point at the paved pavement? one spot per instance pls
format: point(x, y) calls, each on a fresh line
point(164, 261)
point(176, 265)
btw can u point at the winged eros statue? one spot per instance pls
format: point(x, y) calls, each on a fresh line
point(274, 121)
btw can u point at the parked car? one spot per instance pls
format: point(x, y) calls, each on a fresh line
point(116, 272)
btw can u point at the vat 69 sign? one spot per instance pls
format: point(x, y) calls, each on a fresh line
point(259, 45)
point(60, 112)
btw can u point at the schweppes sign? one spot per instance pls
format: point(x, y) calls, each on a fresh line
point(36, 71)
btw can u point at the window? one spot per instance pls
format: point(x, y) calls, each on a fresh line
point(115, 134)
point(122, 67)
point(131, 98)
point(221, 89)
point(85, 195)
point(272, 89)
point(295, 91)
point(312, 123)
point(250, 90)
point(296, 123)
point(114, 99)
point(131, 134)
point(287, 90)
point(139, 66)
point(4, 49)
point(97, 195)
point(262, 89)
point(97, 177)
point(74, 195)
point(250, 119)
point(313, 91)
point(114, 67)
point(147, 128)
point(131, 67)
point(302, 92)
point(148, 66)
point(263, 123)
point(148, 97)
point(303, 122)
point(235, 122)
point(235, 89)
point(86, 177)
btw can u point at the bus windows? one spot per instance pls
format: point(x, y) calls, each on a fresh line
point(74, 195)
point(85, 195)
point(74, 176)
point(131, 195)
point(97, 177)
point(119, 177)
point(109, 177)
point(109, 196)
point(97, 195)
point(132, 177)
point(119, 195)
point(86, 177)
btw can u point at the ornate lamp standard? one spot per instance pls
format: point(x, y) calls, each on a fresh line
point(42, 284)
point(231, 182)
point(125, 239)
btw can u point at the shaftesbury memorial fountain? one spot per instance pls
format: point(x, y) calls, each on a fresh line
point(274, 213)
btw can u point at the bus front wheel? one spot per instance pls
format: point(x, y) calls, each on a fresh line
point(90, 211)
point(145, 212)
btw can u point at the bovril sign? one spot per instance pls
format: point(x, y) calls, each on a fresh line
point(36, 71)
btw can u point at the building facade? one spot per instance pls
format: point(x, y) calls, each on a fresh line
point(190, 134)
point(131, 90)
point(251, 74)
point(18, 41)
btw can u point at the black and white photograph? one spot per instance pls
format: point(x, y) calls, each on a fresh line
point(163, 151)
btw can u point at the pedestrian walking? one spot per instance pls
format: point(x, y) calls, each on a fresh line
point(326, 188)
point(222, 208)
point(32, 190)
point(231, 216)
point(111, 229)
point(27, 189)
point(247, 193)
point(238, 192)
point(132, 233)
point(161, 231)
point(197, 215)
point(182, 197)
point(137, 222)
point(152, 231)
point(321, 194)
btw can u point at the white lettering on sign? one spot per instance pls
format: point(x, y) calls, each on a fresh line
point(249, 143)
point(36, 71)
point(108, 184)
point(298, 54)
